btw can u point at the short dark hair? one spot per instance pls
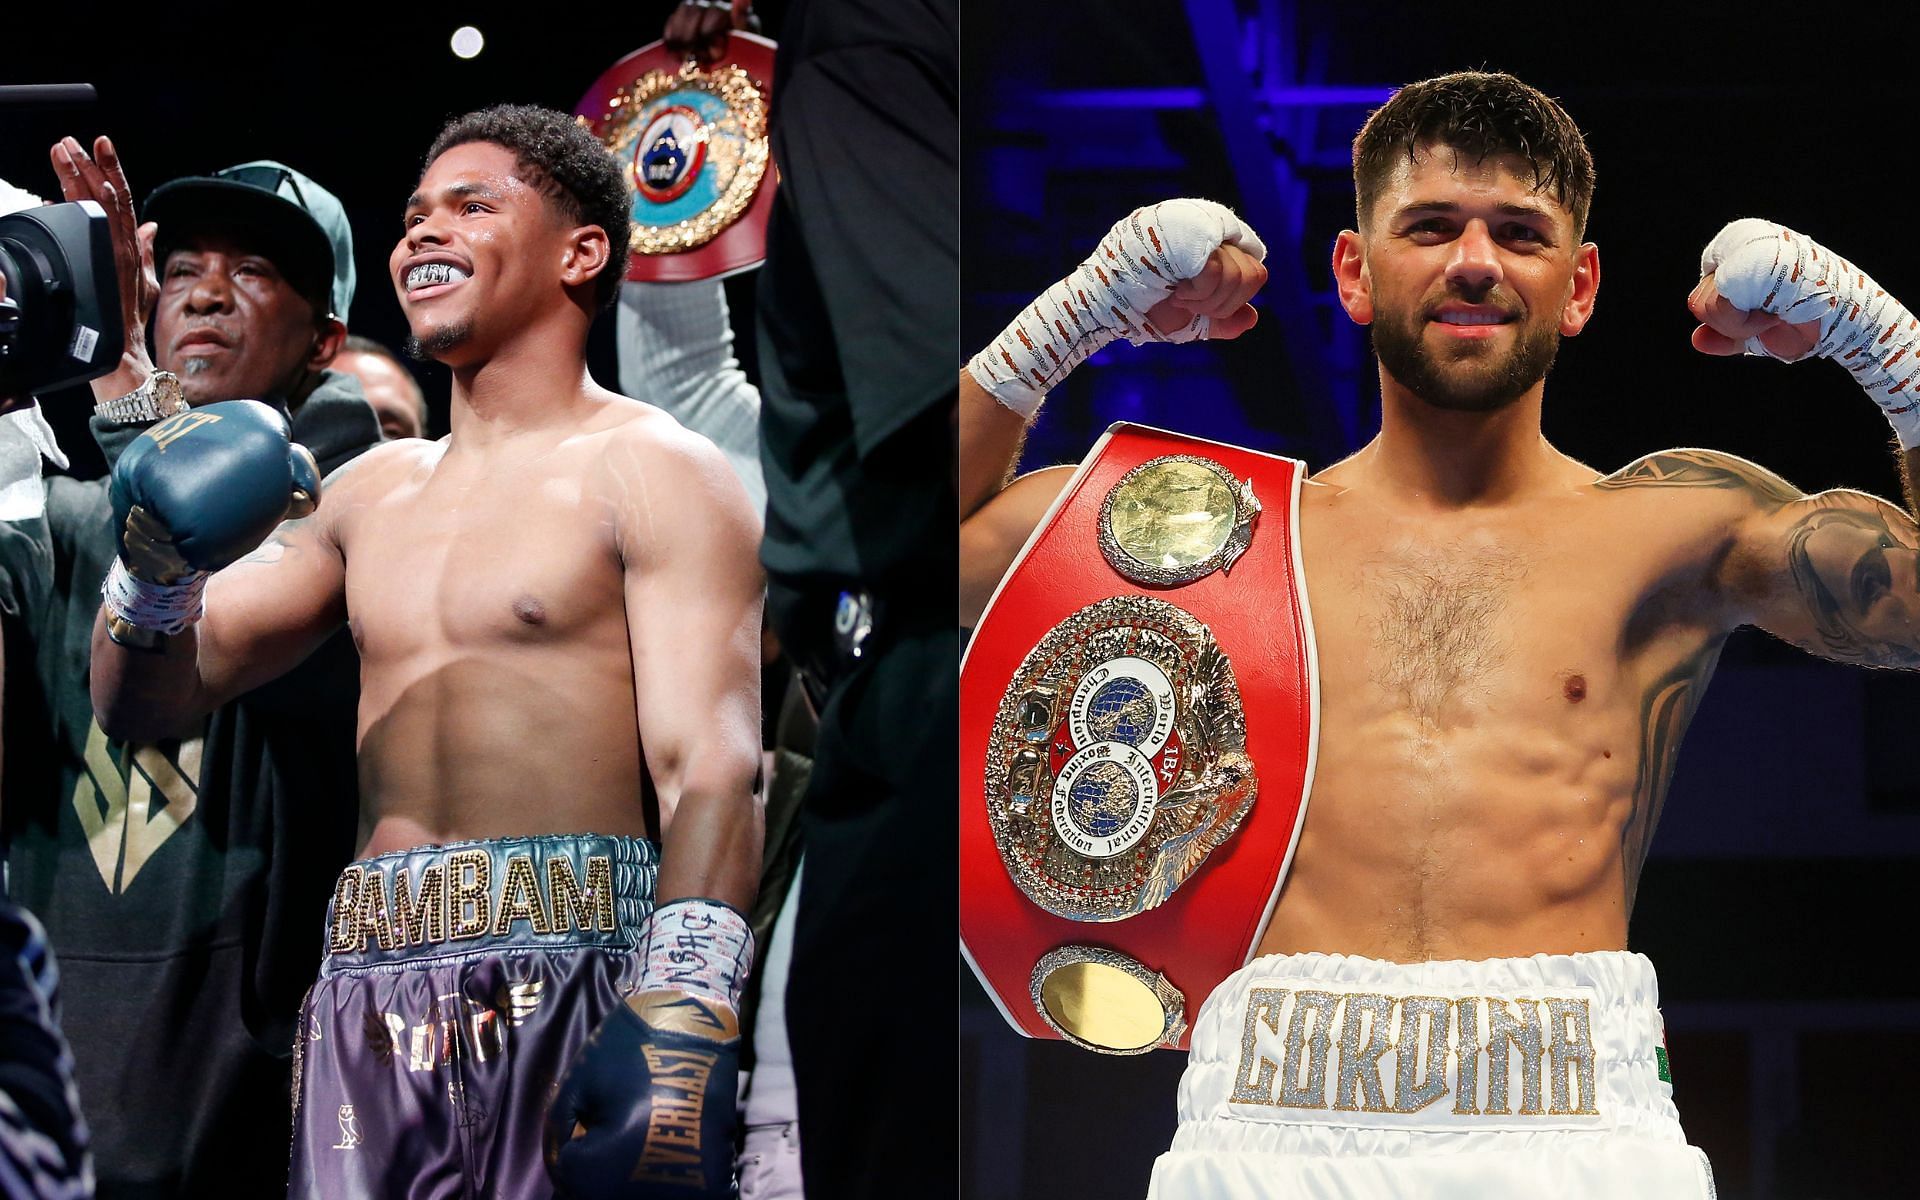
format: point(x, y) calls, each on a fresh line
point(567, 164)
point(1476, 113)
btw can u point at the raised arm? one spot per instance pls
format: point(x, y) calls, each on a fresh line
point(1172, 272)
point(164, 656)
point(676, 353)
point(1838, 573)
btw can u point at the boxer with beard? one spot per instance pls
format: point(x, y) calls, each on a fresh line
point(1510, 646)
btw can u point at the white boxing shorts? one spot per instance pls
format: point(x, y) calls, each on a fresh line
point(1324, 1076)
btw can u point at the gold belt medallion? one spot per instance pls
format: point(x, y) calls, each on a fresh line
point(1106, 1001)
point(695, 141)
point(1176, 518)
point(1118, 760)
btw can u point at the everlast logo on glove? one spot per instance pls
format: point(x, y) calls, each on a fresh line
point(176, 427)
point(672, 1151)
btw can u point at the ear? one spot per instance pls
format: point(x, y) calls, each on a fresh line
point(1578, 309)
point(326, 344)
point(588, 252)
point(1351, 278)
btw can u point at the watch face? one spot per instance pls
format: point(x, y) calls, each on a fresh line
point(169, 396)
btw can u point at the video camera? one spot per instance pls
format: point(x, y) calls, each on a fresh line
point(60, 320)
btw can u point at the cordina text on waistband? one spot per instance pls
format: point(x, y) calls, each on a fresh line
point(1312, 1049)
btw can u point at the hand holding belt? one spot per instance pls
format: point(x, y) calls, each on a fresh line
point(647, 1108)
point(192, 494)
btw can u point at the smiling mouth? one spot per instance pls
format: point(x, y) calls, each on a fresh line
point(428, 277)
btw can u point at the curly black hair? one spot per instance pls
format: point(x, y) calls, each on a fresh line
point(1476, 113)
point(558, 156)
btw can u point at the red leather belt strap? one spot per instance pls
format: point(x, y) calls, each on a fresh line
point(1257, 612)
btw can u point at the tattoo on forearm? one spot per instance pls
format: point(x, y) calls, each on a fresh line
point(1665, 712)
point(1701, 468)
point(1859, 576)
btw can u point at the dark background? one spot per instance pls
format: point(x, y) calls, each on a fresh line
point(349, 94)
point(1776, 902)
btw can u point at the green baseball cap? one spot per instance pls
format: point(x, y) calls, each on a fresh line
point(297, 223)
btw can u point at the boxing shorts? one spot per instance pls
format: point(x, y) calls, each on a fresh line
point(459, 981)
point(1333, 1077)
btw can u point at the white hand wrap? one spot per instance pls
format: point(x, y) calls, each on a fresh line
point(1137, 265)
point(1760, 266)
point(162, 607)
point(698, 946)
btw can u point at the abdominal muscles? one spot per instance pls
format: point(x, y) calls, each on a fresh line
point(539, 738)
point(1482, 839)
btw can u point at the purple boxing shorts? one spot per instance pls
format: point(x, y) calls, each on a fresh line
point(458, 983)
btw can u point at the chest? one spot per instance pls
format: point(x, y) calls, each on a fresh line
point(517, 557)
point(1441, 621)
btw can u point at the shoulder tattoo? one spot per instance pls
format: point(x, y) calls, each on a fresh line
point(1702, 469)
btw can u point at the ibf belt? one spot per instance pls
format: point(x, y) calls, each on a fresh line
point(1137, 729)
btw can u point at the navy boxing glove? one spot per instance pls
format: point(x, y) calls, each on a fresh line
point(647, 1108)
point(192, 494)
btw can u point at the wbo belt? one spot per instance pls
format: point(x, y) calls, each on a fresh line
point(550, 892)
point(1137, 722)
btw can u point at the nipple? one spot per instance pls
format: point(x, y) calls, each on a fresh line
point(530, 610)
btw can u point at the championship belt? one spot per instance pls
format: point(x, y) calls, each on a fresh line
point(694, 142)
point(1137, 721)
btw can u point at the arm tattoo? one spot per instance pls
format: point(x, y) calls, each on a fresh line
point(275, 547)
point(287, 536)
point(1665, 713)
point(1846, 562)
point(1701, 468)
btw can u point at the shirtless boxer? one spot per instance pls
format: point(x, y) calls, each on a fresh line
point(557, 610)
point(1510, 647)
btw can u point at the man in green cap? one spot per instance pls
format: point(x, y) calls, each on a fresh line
point(182, 880)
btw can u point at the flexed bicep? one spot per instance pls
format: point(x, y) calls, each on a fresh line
point(1851, 588)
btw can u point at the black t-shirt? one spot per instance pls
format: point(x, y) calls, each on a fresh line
point(183, 884)
point(859, 301)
